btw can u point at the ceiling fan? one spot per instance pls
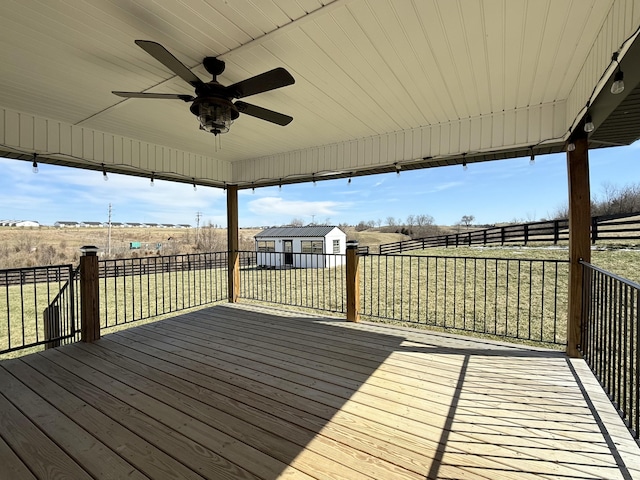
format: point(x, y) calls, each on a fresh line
point(213, 102)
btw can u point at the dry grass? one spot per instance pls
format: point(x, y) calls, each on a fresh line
point(30, 247)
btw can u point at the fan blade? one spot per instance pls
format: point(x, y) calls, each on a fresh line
point(263, 113)
point(161, 54)
point(169, 96)
point(276, 78)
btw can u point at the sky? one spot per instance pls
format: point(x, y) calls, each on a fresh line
point(493, 192)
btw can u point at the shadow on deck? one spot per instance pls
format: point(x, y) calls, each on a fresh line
point(240, 392)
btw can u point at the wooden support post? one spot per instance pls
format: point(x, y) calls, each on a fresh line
point(579, 238)
point(232, 244)
point(89, 295)
point(353, 282)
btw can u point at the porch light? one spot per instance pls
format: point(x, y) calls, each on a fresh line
point(104, 173)
point(398, 168)
point(34, 165)
point(151, 181)
point(464, 162)
point(195, 188)
point(588, 124)
point(532, 160)
point(618, 82)
point(618, 79)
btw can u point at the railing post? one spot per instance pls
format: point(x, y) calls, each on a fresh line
point(89, 295)
point(52, 325)
point(353, 282)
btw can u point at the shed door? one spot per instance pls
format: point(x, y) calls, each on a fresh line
point(288, 251)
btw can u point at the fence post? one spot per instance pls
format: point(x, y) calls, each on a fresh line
point(89, 295)
point(526, 233)
point(556, 231)
point(353, 282)
point(594, 230)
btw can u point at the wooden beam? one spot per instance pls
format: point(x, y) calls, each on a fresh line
point(579, 237)
point(353, 283)
point(232, 244)
point(89, 295)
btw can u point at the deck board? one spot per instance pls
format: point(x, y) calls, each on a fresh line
point(244, 392)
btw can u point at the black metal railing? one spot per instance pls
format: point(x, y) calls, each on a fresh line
point(140, 288)
point(610, 339)
point(308, 280)
point(37, 307)
point(513, 298)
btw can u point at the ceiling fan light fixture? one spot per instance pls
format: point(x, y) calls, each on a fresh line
point(215, 115)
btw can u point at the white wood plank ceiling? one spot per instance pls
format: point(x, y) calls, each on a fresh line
point(378, 82)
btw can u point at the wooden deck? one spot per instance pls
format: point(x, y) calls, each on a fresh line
point(241, 392)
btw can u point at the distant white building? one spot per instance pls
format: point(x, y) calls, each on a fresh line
point(66, 224)
point(301, 247)
point(19, 223)
point(27, 223)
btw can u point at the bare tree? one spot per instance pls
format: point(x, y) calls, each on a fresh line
point(411, 221)
point(296, 222)
point(391, 221)
point(467, 220)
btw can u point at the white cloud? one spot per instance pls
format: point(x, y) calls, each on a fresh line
point(444, 186)
point(276, 206)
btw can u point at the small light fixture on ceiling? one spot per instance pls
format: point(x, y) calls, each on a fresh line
point(34, 165)
point(398, 168)
point(618, 79)
point(195, 187)
point(571, 147)
point(151, 181)
point(313, 175)
point(253, 188)
point(588, 123)
point(280, 185)
point(104, 173)
point(532, 159)
point(464, 162)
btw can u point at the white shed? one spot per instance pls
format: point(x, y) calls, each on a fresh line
point(301, 247)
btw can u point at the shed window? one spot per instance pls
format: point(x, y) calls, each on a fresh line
point(311, 246)
point(266, 245)
point(336, 246)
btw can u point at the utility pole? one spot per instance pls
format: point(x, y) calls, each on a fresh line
point(198, 216)
point(109, 234)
